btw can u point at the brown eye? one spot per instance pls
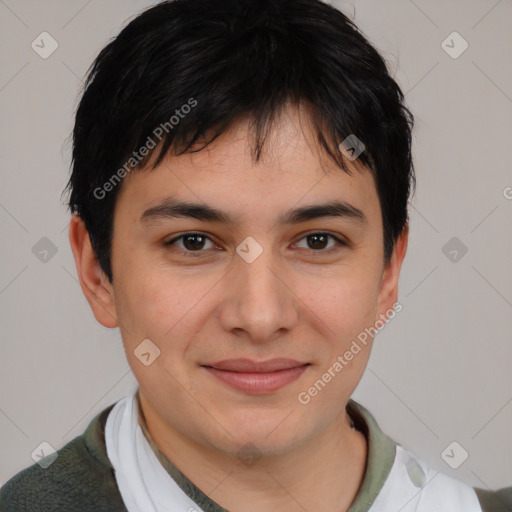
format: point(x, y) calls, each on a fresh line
point(319, 242)
point(193, 242)
point(190, 243)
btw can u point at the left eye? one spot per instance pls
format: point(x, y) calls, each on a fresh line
point(198, 242)
point(319, 241)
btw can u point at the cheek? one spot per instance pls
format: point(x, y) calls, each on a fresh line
point(159, 305)
point(346, 302)
point(152, 309)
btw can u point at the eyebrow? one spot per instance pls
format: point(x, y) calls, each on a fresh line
point(171, 208)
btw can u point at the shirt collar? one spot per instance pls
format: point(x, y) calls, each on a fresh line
point(381, 456)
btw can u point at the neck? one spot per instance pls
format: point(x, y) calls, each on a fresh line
point(288, 482)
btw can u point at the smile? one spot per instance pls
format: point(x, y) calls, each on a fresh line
point(257, 377)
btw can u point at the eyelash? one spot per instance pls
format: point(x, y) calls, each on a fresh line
point(194, 254)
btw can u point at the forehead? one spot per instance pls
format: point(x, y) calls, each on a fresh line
point(293, 168)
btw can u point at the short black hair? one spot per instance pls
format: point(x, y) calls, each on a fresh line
point(183, 69)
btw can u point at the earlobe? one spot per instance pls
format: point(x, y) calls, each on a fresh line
point(388, 294)
point(93, 281)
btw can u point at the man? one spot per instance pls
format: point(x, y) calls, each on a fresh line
point(241, 172)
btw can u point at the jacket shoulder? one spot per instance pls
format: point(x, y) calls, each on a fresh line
point(499, 500)
point(81, 478)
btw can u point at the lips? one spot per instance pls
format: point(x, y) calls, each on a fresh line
point(248, 366)
point(257, 377)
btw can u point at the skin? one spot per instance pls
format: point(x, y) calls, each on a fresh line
point(299, 299)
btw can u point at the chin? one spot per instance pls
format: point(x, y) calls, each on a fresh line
point(271, 434)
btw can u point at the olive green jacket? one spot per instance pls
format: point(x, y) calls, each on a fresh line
point(82, 478)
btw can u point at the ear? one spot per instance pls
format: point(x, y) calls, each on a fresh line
point(95, 284)
point(388, 294)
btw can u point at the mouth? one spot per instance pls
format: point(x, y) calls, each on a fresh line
point(255, 377)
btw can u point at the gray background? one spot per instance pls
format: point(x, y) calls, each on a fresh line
point(440, 372)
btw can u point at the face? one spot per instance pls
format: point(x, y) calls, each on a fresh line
point(253, 274)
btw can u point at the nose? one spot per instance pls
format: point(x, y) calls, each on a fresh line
point(259, 300)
